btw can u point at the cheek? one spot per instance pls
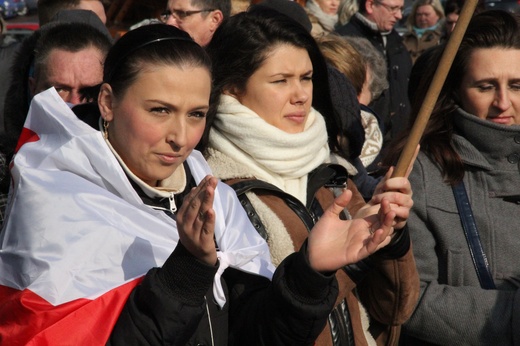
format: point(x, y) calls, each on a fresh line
point(195, 134)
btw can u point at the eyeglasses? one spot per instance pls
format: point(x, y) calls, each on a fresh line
point(391, 9)
point(181, 15)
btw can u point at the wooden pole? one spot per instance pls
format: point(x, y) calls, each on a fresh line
point(435, 87)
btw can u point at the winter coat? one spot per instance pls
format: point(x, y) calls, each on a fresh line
point(257, 311)
point(453, 309)
point(388, 290)
point(417, 45)
point(393, 105)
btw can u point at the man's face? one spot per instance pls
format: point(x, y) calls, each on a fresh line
point(95, 6)
point(199, 22)
point(385, 13)
point(70, 73)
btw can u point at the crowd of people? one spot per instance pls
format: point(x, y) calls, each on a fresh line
point(220, 177)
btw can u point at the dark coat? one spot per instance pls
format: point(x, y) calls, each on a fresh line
point(387, 282)
point(174, 304)
point(393, 105)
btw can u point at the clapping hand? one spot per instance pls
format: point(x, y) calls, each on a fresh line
point(196, 221)
point(334, 243)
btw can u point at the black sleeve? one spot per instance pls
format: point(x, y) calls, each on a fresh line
point(290, 310)
point(167, 306)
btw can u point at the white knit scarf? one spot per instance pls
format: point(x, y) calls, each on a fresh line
point(275, 156)
point(328, 21)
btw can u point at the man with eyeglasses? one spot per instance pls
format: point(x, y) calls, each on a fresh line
point(375, 21)
point(199, 18)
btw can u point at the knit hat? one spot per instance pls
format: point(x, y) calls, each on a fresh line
point(346, 106)
point(289, 8)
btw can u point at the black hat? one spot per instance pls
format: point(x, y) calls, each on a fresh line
point(290, 8)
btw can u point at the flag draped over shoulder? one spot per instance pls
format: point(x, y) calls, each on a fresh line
point(77, 238)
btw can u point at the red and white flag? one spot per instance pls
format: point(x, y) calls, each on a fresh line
point(77, 238)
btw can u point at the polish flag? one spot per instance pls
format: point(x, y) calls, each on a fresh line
point(77, 238)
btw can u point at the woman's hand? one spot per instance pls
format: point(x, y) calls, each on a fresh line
point(334, 243)
point(397, 191)
point(196, 221)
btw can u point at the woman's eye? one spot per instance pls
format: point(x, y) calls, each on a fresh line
point(485, 87)
point(279, 81)
point(159, 110)
point(515, 86)
point(307, 78)
point(198, 114)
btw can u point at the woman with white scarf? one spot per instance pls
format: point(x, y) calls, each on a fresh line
point(323, 15)
point(271, 139)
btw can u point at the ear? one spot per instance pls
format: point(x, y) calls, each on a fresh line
point(216, 18)
point(233, 92)
point(369, 6)
point(106, 102)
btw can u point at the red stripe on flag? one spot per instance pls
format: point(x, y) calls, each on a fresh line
point(28, 319)
point(26, 136)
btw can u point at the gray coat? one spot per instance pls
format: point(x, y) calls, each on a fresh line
point(453, 309)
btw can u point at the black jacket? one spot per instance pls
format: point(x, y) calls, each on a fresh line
point(393, 105)
point(174, 304)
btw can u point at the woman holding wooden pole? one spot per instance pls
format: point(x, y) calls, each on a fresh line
point(466, 181)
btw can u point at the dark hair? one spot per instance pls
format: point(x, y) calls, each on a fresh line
point(488, 29)
point(65, 36)
point(242, 43)
point(157, 44)
point(48, 8)
point(223, 5)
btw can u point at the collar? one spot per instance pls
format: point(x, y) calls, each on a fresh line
point(491, 147)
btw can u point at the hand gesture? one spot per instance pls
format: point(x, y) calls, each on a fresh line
point(334, 243)
point(196, 221)
point(397, 191)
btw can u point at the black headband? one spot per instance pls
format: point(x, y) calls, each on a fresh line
point(142, 45)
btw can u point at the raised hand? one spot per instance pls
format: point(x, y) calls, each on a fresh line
point(196, 221)
point(334, 243)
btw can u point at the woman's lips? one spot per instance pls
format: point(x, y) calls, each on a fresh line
point(503, 120)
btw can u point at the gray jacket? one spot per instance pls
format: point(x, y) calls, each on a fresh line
point(453, 309)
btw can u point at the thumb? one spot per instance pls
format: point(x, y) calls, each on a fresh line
point(340, 202)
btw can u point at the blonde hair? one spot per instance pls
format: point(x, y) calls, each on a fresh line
point(344, 57)
point(436, 4)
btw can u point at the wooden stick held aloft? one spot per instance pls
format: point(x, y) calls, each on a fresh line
point(435, 87)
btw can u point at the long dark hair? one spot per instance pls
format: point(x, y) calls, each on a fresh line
point(487, 29)
point(241, 45)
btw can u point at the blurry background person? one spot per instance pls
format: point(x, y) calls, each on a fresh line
point(375, 21)
point(323, 15)
point(470, 154)
point(343, 56)
point(424, 27)
point(66, 56)
point(346, 10)
point(47, 9)
point(452, 10)
point(199, 18)
point(8, 47)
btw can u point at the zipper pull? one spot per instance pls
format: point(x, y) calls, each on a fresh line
point(173, 207)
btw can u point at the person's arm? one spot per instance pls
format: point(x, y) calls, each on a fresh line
point(291, 310)
point(168, 305)
point(456, 313)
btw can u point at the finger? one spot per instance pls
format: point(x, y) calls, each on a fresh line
point(207, 197)
point(340, 202)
